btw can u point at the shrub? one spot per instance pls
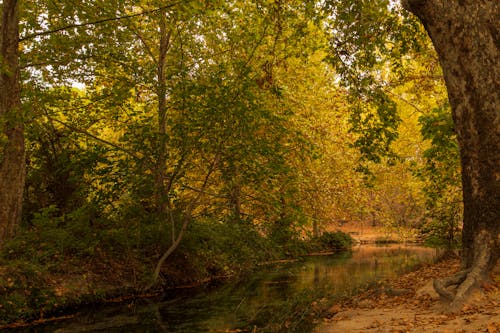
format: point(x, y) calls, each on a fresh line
point(337, 240)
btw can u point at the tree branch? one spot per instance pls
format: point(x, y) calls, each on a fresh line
point(186, 220)
point(104, 20)
point(75, 129)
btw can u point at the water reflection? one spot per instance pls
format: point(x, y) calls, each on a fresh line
point(234, 304)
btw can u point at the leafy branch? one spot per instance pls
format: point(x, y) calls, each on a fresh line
point(96, 22)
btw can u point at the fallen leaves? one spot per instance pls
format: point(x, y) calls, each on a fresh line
point(493, 327)
point(417, 309)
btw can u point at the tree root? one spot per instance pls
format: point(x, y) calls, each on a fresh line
point(467, 279)
point(441, 285)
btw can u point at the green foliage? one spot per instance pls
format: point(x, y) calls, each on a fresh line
point(336, 240)
point(216, 248)
point(376, 129)
point(441, 174)
point(24, 293)
point(54, 238)
point(368, 44)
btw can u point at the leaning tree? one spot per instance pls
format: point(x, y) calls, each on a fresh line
point(465, 34)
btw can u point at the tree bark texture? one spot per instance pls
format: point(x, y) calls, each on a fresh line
point(12, 151)
point(465, 34)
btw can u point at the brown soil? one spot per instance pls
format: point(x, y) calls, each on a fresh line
point(409, 304)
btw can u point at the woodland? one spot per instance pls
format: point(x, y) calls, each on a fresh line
point(150, 144)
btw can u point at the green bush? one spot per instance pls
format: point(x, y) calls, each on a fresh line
point(217, 248)
point(52, 237)
point(337, 240)
point(24, 292)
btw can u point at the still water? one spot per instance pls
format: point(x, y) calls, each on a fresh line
point(233, 304)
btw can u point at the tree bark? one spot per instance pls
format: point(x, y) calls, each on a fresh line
point(465, 35)
point(12, 151)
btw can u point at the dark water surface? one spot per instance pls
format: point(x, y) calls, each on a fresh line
point(233, 304)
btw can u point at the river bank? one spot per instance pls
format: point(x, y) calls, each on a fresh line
point(409, 304)
point(285, 297)
point(39, 284)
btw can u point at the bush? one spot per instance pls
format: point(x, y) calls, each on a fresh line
point(53, 237)
point(337, 240)
point(223, 248)
point(24, 292)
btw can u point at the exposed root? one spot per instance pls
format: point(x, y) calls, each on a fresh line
point(441, 285)
point(468, 279)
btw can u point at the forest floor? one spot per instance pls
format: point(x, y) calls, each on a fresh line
point(409, 304)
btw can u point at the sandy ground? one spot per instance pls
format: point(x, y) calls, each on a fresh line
point(409, 304)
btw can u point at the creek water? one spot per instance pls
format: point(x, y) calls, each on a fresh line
point(235, 304)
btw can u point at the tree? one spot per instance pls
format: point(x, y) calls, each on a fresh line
point(12, 162)
point(465, 36)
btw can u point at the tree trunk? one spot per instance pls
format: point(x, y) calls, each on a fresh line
point(465, 35)
point(12, 161)
point(235, 194)
point(160, 191)
point(315, 226)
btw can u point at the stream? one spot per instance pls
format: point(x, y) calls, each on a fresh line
point(234, 303)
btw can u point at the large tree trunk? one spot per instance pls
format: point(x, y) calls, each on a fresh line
point(12, 161)
point(465, 35)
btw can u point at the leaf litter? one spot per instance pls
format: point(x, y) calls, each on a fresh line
point(409, 304)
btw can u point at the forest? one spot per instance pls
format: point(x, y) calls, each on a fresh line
point(146, 145)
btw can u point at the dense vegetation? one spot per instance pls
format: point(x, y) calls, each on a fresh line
point(198, 138)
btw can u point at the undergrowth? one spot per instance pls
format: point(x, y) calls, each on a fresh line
point(61, 260)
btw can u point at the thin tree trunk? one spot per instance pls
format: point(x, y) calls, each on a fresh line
point(161, 193)
point(315, 227)
point(465, 34)
point(186, 220)
point(235, 194)
point(12, 151)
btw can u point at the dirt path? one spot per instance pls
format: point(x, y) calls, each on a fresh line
point(409, 304)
